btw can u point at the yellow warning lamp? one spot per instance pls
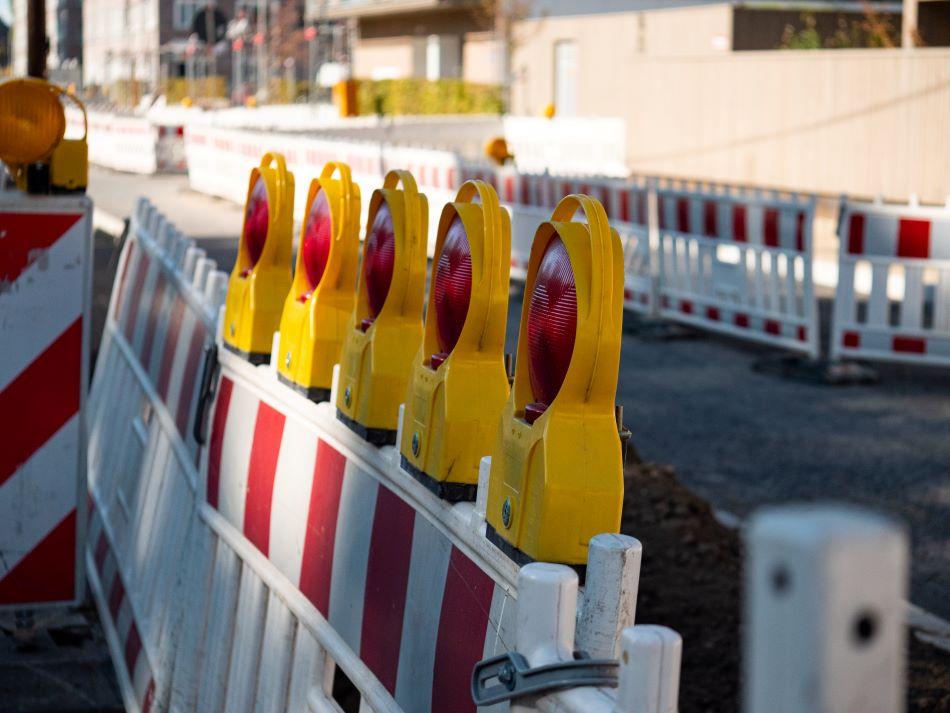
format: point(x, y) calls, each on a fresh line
point(385, 329)
point(459, 381)
point(320, 302)
point(497, 150)
point(32, 123)
point(556, 472)
point(261, 276)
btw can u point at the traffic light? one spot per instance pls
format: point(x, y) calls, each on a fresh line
point(459, 381)
point(385, 329)
point(320, 301)
point(556, 470)
point(261, 275)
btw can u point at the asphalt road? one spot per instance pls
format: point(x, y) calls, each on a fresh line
point(739, 438)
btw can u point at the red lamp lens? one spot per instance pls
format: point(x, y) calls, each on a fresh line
point(552, 323)
point(256, 217)
point(315, 248)
point(452, 285)
point(379, 259)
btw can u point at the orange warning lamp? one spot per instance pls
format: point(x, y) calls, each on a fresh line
point(556, 471)
point(385, 329)
point(32, 123)
point(459, 381)
point(261, 276)
point(320, 302)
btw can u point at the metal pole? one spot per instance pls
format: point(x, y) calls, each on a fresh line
point(36, 46)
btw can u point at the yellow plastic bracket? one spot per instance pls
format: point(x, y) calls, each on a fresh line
point(376, 363)
point(453, 407)
point(257, 289)
point(314, 319)
point(69, 165)
point(557, 482)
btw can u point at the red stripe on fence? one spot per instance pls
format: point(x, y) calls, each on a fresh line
point(171, 344)
point(605, 200)
point(800, 232)
point(133, 647)
point(741, 320)
point(909, 345)
point(739, 230)
point(317, 565)
point(261, 468)
point(48, 572)
point(27, 236)
point(686, 307)
point(773, 327)
point(712, 313)
point(625, 206)
point(913, 238)
point(192, 367)
point(216, 440)
point(770, 228)
point(852, 340)
point(116, 595)
point(120, 291)
point(802, 334)
point(463, 621)
point(158, 297)
point(387, 575)
point(102, 549)
point(510, 189)
point(135, 299)
point(642, 207)
point(856, 234)
point(525, 191)
point(682, 215)
point(40, 400)
point(710, 220)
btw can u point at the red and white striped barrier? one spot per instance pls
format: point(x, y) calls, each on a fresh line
point(45, 286)
point(738, 262)
point(908, 247)
point(134, 144)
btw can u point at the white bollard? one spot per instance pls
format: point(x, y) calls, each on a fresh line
point(824, 626)
point(649, 670)
point(610, 595)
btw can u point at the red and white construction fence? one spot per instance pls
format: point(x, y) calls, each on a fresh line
point(285, 533)
point(45, 283)
point(131, 143)
point(899, 256)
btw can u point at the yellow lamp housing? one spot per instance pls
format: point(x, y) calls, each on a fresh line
point(459, 381)
point(385, 329)
point(32, 123)
point(556, 471)
point(320, 302)
point(260, 279)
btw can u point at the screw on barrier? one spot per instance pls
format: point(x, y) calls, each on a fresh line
point(415, 443)
point(347, 396)
point(506, 512)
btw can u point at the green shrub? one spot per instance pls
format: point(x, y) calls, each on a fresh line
point(420, 96)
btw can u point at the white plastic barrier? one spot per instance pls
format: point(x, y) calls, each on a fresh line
point(134, 144)
point(289, 535)
point(906, 247)
point(738, 262)
point(579, 145)
point(220, 161)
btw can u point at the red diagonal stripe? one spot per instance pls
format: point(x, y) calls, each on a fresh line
point(262, 466)
point(25, 236)
point(387, 575)
point(317, 565)
point(48, 573)
point(151, 320)
point(913, 238)
point(36, 404)
point(217, 439)
point(171, 343)
point(188, 379)
point(466, 603)
point(135, 298)
point(120, 288)
point(133, 647)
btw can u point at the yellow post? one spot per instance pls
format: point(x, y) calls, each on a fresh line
point(385, 330)
point(320, 301)
point(261, 276)
point(459, 383)
point(556, 473)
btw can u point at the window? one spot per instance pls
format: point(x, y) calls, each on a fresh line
point(183, 13)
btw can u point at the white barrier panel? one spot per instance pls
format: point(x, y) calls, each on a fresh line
point(738, 262)
point(45, 288)
point(290, 535)
point(134, 144)
point(579, 145)
point(893, 241)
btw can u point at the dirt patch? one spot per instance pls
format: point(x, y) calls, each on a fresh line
point(691, 581)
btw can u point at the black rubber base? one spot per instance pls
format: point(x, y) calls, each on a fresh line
point(521, 559)
point(316, 394)
point(451, 492)
point(255, 358)
point(376, 436)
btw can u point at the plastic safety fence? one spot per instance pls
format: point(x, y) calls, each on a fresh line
point(893, 296)
point(134, 144)
point(45, 278)
point(738, 262)
point(239, 573)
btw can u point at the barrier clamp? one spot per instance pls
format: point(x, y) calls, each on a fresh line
point(385, 329)
point(459, 380)
point(261, 276)
point(516, 679)
point(543, 503)
point(208, 387)
point(320, 301)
